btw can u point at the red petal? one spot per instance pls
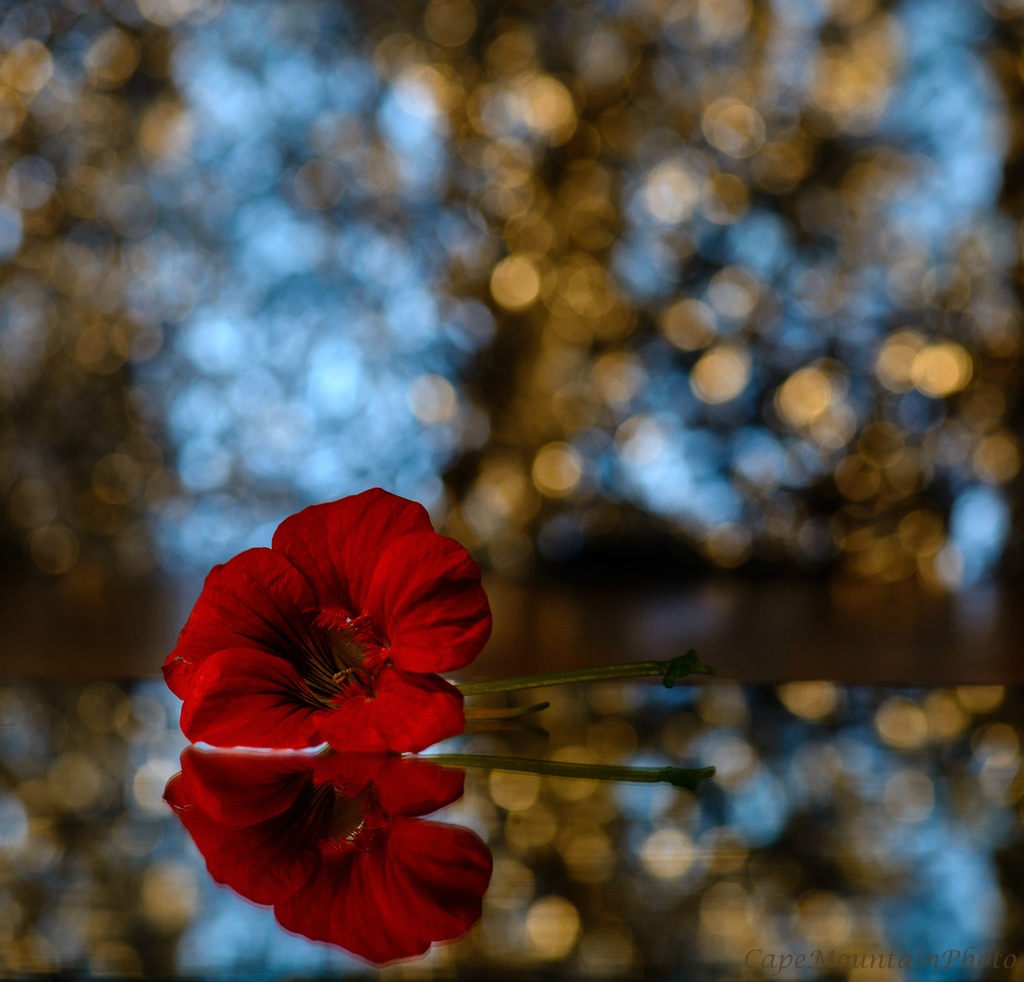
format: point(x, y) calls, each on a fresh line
point(259, 821)
point(337, 545)
point(409, 713)
point(434, 877)
point(245, 788)
point(256, 600)
point(403, 786)
point(427, 596)
point(264, 861)
point(247, 698)
point(422, 882)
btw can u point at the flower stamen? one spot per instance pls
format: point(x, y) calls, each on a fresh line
point(355, 821)
point(345, 657)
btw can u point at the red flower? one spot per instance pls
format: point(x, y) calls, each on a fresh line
point(334, 634)
point(333, 843)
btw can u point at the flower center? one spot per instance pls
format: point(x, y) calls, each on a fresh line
point(355, 821)
point(349, 655)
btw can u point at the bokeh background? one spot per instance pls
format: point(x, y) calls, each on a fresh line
point(635, 293)
point(698, 321)
point(625, 286)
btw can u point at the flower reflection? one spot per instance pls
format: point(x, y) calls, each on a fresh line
point(337, 845)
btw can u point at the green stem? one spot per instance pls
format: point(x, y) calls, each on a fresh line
point(679, 777)
point(512, 712)
point(670, 671)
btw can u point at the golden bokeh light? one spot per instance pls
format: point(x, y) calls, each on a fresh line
point(895, 362)
point(733, 127)
point(734, 292)
point(980, 698)
point(946, 717)
point(721, 21)
point(27, 67)
point(729, 545)
point(721, 374)
point(515, 283)
point(512, 885)
point(514, 792)
point(996, 745)
point(450, 22)
point(724, 912)
point(557, 469)
point(726, 200)
point(112, 58)
point(531, 828)
point(826, 916)
point(689, 324)
point(432, 398)
point(941, 369)
point(588, 853)
point(672, 192)
point(618, 376)
point(548, 108)
point(901, 723)
point(805, 396)
point(639, 440)
point(170, 895)
point(997, 458)
point(75, 781)
point(809, 700)
point(166, 132)
point(667, 853)
point(553, 927)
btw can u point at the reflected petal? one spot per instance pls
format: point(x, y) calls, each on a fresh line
point(422, 882)
point(331, 842)
point(403, 787)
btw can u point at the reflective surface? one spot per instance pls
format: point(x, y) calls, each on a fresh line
point(848, 821)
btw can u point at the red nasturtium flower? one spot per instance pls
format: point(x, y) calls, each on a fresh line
point(334, 634)
point(335, 843)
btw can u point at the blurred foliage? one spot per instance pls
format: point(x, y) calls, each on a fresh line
point(78, 464)
point(582, 279)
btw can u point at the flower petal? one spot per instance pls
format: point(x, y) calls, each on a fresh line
point(435, 877)
point(337, 545)
point(263, 861)
point(427, 596)
point(408, 714)
point(403, 785)
point(256, 600)
point(422, 882)
point(242, 697)
point(245, 787)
